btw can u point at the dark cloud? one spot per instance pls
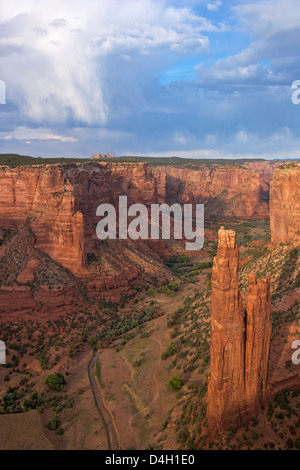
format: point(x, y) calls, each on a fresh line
point(86, 78)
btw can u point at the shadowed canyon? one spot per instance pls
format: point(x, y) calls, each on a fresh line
point(149, 346)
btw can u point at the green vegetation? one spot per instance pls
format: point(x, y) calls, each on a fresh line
point(14, 160)
point(171, 350)
point(55, 381)
point(175, 383)
point(53, 424)
point(93, 342)
point(206, 265)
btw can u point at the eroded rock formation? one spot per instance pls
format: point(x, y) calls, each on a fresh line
point(225, 190)
point(258, 330)
point(61, 200)
point(44, 195)
point(285, 204)
point(240, 337)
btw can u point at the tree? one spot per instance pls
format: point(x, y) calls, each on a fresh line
point(55, 381)
point(172, 286)
point(175, 383)
point(171, 349)
point(93, 342)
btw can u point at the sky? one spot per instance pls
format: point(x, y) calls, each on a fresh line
point(191, 78)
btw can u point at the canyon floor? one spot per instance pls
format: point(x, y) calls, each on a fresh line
point(141, 342)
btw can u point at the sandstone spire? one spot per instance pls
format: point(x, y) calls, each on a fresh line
point(257, 340)
point(240, 340)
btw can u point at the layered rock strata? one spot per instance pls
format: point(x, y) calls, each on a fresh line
point(285, 204)
point(240, 338)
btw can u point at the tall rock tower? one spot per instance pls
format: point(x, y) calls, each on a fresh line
point(240, 339)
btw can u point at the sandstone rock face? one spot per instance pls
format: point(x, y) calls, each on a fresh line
point(258, 329)
point(122, 280)
point(225, 190)
point(264, 169)
point(103, 182)
point(61, 200)
point(46, 197)
point(55, 297)
point(240, 339)
point(225, 402)
point(285, 204)
point(16, 297)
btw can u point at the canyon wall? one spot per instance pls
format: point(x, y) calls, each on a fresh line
point(226, 191)
point(285, 204)
point(61, 200)
point(42, 194)
point(258, 329)
point(240, 337)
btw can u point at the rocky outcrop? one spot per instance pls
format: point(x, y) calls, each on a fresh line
point(285, 204)
point(13, 298)
point(226, 380)
point(227, 190)
point(258, 329)
point(44, 196)
point(16, 297)
point(60, 201)
point(265, 169)
point(240, 337)
point(55, 297)
point(122, 280)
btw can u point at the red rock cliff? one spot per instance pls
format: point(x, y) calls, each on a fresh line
point(61, 200)
point(285, 204)
point(45, 196)
point(258, 328)
point(226, 190)
point(239, 341)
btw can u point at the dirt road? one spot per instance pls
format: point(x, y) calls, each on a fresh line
point(111, 431)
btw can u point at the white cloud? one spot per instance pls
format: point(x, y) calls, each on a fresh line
point(213, 6)
point(28, 135)
point(111, 75)
point(54, 53)
point(267, 17)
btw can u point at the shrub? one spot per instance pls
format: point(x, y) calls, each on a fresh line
point(171, 349)
point(150, 292)
point(172, 286)
point(53, 424)
point(55, 381)
point(93, 342)
point(44, 361)
point(254, 422)
point(182, 259)
point(205, 265)
point(175, 383)
point(165, 290)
